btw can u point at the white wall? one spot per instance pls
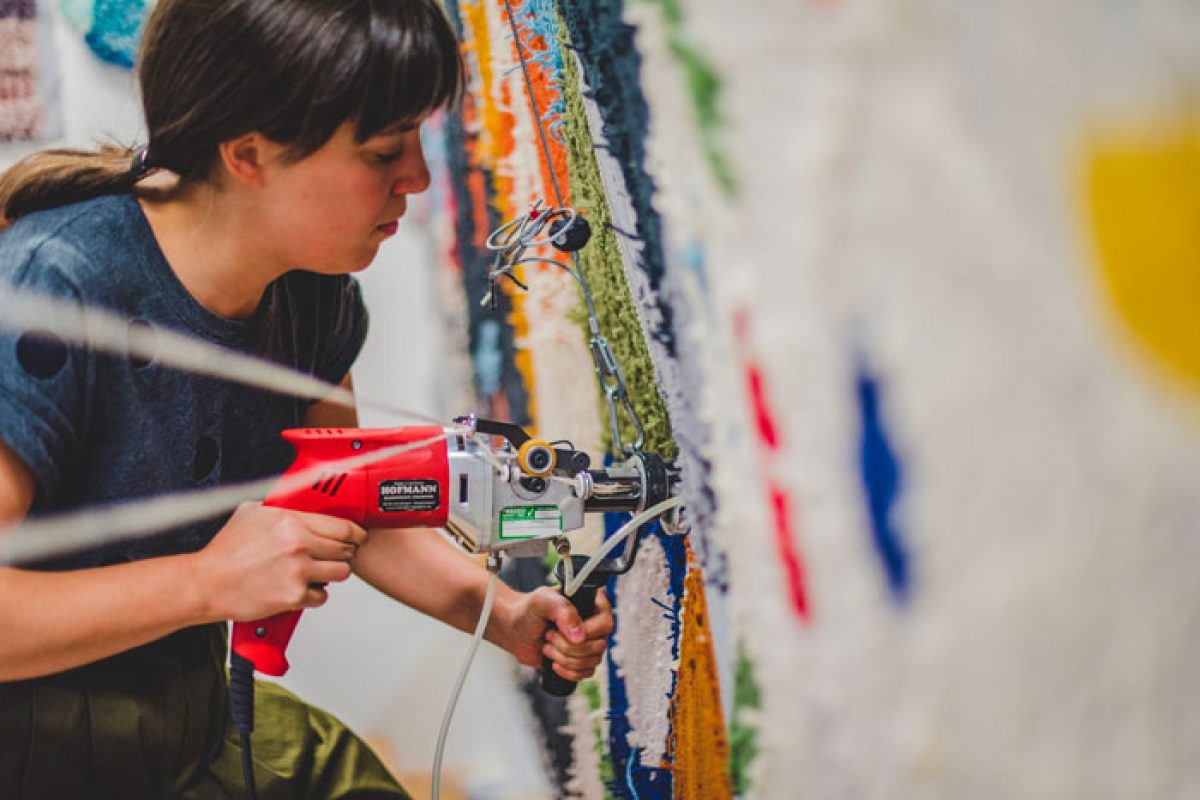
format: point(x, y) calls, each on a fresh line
point(385, 670)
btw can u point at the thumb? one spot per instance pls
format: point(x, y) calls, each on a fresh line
point(564, 616)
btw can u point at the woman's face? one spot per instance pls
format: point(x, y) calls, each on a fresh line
point(330, 211)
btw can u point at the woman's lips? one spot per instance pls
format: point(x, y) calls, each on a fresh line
point(389, 228)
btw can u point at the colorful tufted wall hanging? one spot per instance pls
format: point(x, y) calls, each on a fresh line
point(909, 290)
point(653, 724)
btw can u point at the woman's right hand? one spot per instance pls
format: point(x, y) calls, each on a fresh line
point(267, 560)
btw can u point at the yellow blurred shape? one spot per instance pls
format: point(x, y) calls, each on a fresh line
point(1144, 197)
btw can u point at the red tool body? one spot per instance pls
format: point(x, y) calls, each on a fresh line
point(407, 490)
point(514, 497)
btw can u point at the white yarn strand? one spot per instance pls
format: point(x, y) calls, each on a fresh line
point(66, 533)
point(102, 330)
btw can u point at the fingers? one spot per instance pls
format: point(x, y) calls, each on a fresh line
point(577, 671)
point(600, 624)
point(271, 559)
point(320, 548)
point(335, 528)
point(598, 637)
point(598, 627)
point(575, 656)
point(565, 617)
point(314, 596)
point(327, 572)
point(325, 546)
point(576, 660)
point(318, 536)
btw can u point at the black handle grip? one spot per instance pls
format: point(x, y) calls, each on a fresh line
point(584, 601)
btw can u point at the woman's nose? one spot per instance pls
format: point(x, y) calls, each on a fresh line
point(414, 172)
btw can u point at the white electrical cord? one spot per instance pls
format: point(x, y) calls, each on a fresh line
point(621, 535)
point(568, 569)
point(462, 678)
point(569, 589)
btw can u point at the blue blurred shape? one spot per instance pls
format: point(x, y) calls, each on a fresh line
point(116, 30)
point(882, 477)
point(489, 359)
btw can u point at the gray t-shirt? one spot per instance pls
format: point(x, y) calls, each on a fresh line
point(94, 428)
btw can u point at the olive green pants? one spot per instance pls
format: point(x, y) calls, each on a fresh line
point(154, 723)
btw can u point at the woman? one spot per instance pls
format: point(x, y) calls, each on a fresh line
point(283, 142)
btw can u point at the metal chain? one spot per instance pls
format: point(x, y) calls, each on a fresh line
point(608, 369)
point(616, 394)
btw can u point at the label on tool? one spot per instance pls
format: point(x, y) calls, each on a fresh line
point(530, 522)
point(409, 495)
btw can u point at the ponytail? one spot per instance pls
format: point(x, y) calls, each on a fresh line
point(52, 178)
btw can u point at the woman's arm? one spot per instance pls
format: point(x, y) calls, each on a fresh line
point(55, 620)
point(416, 567)
point(421, 569)
point(259, 564)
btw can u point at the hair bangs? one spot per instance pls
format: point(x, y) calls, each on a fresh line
point(412, 66)
point(294, 70)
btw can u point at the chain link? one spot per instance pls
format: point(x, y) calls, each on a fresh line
point(616, 394)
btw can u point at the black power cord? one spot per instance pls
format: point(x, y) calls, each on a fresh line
point(241, 708)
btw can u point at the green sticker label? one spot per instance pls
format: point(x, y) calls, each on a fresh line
point(530, 522)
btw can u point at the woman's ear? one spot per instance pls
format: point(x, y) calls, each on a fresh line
point(247, 157)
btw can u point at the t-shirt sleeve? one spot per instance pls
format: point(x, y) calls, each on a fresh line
point(344, 323)
point(44, 380)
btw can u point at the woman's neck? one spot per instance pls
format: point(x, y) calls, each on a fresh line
point(212, 247)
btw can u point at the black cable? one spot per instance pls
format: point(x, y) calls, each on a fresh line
point(248, 767)
point(241, 708)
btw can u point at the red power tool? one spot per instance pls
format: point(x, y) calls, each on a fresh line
point(511, 498)
point(406, 490)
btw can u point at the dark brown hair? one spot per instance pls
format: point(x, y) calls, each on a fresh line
point(293, 70)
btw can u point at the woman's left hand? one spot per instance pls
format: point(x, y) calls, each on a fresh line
point(543, 623)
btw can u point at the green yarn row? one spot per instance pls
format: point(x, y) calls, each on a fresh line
point(605, 273)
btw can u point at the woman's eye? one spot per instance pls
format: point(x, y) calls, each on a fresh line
point(388, 158)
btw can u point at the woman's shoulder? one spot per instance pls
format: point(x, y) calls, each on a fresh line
point(74, 246)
